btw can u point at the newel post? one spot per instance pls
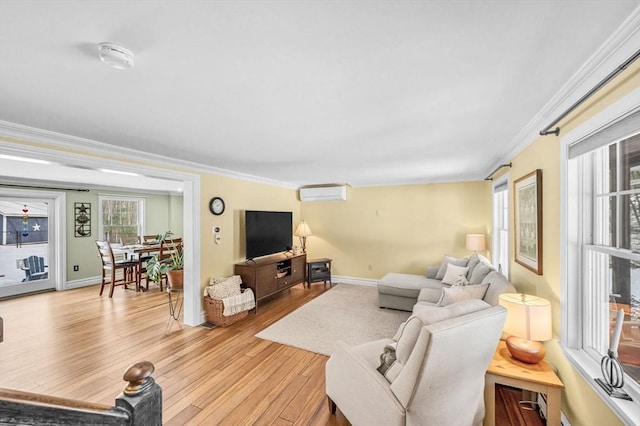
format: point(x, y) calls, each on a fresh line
point(142, 397)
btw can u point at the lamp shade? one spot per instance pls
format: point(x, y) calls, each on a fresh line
point(475, 242)
point(303, 230)
point(528, 317)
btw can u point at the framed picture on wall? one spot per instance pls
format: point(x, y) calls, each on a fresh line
point(528, 221)
point(82, 218)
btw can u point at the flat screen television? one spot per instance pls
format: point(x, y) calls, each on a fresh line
point(267, 232)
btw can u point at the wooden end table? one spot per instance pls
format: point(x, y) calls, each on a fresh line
point(319, 270)
point(540, 378)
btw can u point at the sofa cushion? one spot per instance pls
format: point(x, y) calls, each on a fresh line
point(453, 272)
point(405, 285)
point(498, 285)
point(458, 293)
point(450, 259)
point(479, 272)
point(474, 259)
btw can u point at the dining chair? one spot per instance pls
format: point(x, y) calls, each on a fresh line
point(149, 239)
point(127, 268)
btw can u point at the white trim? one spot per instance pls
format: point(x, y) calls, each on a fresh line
point(191, 201)
point(339, 279)
point(60, 140)
point(627, 411)
point(618, 48)
point(83, 282)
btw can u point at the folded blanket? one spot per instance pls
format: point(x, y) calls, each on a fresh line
point(238, 303)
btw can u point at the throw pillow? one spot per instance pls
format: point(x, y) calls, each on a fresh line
point(450, 259)
point(458, 293)
point(453, 273)
point(224, 288)
point(479, 272)
point(461, 280)
point(387, 359)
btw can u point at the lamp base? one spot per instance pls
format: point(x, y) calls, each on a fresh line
point(528, 351)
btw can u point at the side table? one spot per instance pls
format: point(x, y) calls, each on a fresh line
point(540, 378)
point(318, 270)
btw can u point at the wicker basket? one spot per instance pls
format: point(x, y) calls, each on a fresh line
point(214, 309)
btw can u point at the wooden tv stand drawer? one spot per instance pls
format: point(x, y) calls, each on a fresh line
point(270, 275)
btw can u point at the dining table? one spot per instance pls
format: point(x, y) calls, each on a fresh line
point(137, 253)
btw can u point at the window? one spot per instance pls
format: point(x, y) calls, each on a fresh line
point(602, 264)
point(612, 260)
point(121, 219)
point(501, 226)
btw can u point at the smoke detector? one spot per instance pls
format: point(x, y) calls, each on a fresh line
point(115, 55)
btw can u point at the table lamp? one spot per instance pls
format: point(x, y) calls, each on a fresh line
point(528, 324)
point(303, 231)
point(475, 242)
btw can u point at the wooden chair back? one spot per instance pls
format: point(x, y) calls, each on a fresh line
point(106, 254)
point(169, 247)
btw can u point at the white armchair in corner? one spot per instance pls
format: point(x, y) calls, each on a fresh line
point(437, 378)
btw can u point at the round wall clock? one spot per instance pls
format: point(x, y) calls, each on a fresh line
point(216, 205)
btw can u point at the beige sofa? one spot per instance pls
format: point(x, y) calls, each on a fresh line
point(408, 292)
point(430, 373)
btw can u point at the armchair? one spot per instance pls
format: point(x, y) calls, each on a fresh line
point(441, 356)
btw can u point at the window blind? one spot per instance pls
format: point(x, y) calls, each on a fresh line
point(622, 129)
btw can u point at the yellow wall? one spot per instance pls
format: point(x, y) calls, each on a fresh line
point(396, 228)
point(218, 259)
point(580, 403)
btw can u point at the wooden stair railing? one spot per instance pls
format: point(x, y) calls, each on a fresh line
point(139, 404)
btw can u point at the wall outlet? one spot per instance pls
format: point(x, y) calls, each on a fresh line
point(76, 268)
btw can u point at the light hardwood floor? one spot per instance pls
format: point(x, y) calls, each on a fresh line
point(76, 344)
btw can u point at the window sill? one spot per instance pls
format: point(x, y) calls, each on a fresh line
point(627, 411)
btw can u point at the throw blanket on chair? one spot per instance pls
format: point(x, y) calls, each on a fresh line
point(238, 303)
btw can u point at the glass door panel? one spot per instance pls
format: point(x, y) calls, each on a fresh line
point(25, 249)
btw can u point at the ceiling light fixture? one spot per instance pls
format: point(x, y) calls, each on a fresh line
point(115, 55)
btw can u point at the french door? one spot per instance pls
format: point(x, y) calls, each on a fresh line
point(27, 229)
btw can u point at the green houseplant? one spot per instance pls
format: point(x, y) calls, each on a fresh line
point(171, 266)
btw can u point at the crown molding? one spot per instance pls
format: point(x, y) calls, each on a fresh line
point(619, 47)
point(54, 140)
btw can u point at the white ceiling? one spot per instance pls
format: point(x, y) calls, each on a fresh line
point(301, 92)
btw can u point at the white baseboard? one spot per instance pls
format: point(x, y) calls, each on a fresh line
point(84, 282)
point(339, 279)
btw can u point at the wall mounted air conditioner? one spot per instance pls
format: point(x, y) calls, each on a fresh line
point(324, 193)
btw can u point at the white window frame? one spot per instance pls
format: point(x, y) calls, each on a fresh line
point(498, 246)
point(141, 210)
point(573, 216)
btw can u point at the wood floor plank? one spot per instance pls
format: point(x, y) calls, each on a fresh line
point(76, 344)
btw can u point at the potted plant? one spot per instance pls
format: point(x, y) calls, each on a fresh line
point(175, 274)
point(172, 266)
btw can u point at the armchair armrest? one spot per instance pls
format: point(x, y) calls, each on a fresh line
point(347, 374)
point(432, 271)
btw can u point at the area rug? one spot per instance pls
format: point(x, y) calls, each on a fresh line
point(346, 312)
